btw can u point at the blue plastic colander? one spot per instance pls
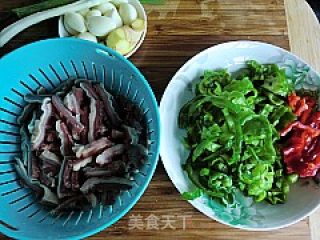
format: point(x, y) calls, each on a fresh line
point(47, 64)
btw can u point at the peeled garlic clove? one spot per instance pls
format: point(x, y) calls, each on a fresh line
point(114, 15)
point(70, 30)
point(118, 2)
point(100, 25)
point(74, 22)
point(87, 36)
point(132, 36)
point(93, 13)
point(128, 13)
point(138, 24)
point(123, 47)
point(114, 37)
point(105, 8)
point(84, 12)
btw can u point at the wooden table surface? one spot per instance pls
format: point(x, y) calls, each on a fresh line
point(178, 30)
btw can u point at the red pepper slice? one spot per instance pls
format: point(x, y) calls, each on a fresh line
point(302, 148)
point(311, 103)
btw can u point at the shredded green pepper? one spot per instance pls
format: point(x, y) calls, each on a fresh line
point(231, 126)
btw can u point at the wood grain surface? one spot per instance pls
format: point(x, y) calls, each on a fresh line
point(178, 30)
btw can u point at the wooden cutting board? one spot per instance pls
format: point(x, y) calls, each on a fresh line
point(178, 30)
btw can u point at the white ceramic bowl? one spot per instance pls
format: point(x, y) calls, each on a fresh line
point(303, 198)
point(141, 14)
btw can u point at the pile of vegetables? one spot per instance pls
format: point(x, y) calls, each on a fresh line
point(301, 149)
point(80, 145)
point(115, 23)
point(233, 126)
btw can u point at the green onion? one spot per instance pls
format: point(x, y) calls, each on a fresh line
point(38, 7)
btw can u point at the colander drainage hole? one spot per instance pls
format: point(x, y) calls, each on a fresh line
point(10, 181)
point(9, 112)
point(104, 74)
point(85, 69)
point(79, 218)
point(34, 213)
point(7, 172)
point(94, 69)
point(57, 218)
point(11, 191)
point(25, 207)
point(142, 174)
point(90, 216)
point(47, 78)
point(65, 70)
point(27, 87)
point(128, 89)
point(10, 133)
point(8, 226)
point(129, 193)
point(35, 80)
point(44, 218)
point(135, 95)
point(68, 218)
point(100, 211)
point(112, 78)
point(10, 143)
point(20, 198)
point(120, 83)
point(141, 102)
point(17, 92)
point(55, 73)
point(13, 102)
point(75, 68)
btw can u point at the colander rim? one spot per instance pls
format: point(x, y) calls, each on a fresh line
point(155, 107)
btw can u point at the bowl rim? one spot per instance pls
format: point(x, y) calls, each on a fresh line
point(15, 234)
point(163, 155)
point(63, 33)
